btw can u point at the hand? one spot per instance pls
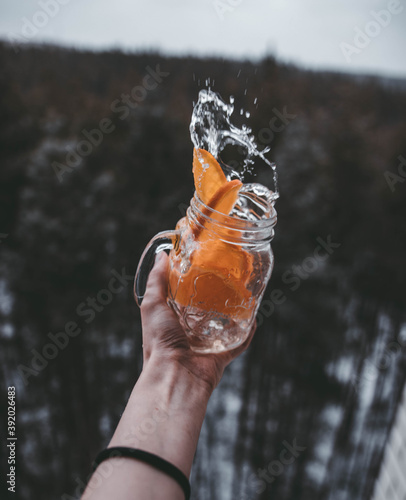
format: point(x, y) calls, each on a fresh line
point(165, 340)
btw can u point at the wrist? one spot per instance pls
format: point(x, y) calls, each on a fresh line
point(178, 386)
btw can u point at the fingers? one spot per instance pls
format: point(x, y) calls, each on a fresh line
point(156, 290)
point(160, 325)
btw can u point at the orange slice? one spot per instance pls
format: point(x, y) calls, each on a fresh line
point(225, 197)
point(223, 201)
point(207, 174)
point(212, 186)
point(219, 272)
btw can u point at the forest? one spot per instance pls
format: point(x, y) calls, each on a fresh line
point(96, 158)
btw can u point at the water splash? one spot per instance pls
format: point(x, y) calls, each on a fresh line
point(211, 129)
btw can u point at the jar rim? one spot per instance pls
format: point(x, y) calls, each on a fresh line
point(233, 222)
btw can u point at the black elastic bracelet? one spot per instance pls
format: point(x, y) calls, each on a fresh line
point(151, 459)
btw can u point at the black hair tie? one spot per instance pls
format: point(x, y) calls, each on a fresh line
point(151, 459)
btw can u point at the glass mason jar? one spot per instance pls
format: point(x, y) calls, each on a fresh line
point(219, 267)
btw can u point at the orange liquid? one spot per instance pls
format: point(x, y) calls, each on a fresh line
point(214, 279)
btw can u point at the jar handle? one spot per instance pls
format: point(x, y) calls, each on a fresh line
point(165, 240)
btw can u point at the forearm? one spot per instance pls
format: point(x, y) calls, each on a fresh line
point(164, 416)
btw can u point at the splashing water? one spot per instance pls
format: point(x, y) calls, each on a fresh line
point(211, 129)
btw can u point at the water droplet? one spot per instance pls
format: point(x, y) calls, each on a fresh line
point(255, 100)
point(238, 74)
point(247, 114)
point(245, 92)
point(231, 99)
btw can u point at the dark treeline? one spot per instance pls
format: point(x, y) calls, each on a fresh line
point(319, 370)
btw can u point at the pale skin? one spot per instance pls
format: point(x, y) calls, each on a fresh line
point(166, 408)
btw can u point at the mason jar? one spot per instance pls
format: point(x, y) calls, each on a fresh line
point(219, 266)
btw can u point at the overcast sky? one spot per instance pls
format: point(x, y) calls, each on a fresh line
point(310, 33)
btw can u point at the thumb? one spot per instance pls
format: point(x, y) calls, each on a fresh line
point(156, 290)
